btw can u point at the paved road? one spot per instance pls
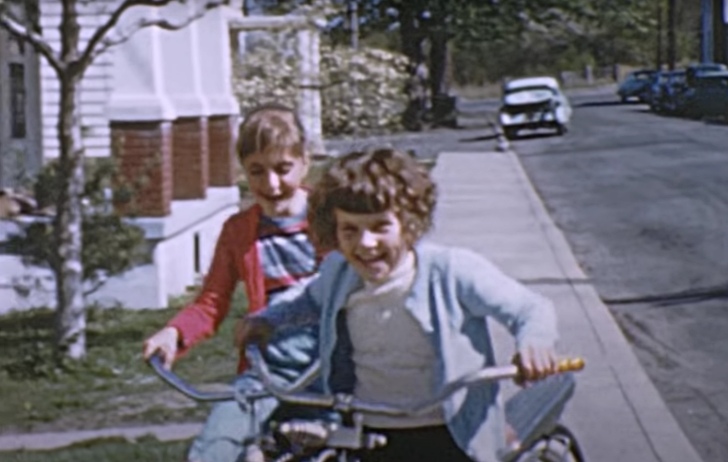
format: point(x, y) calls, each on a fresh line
point(643, 202)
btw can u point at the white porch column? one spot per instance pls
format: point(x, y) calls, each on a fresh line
point(213, 56)
point(309, 94)
point(180, 63)
point(138, 79)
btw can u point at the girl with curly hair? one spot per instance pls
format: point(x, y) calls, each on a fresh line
point(400, 317)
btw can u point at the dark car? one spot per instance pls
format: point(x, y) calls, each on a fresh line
point(636, 86)
point(684, 100)
point(696, 70)
point(708, 96)
point(665, 90)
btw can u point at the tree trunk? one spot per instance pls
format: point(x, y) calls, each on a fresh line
point(438, 63)
point(410, 35)
point(70, 315)
point(411, 38)
point(671, 37)
point(658, 60)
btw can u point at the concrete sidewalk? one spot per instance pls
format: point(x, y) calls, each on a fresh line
point(488, 204)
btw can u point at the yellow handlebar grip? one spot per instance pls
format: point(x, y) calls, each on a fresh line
point(570, 365)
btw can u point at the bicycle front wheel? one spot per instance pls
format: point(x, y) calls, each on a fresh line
point(558, 446)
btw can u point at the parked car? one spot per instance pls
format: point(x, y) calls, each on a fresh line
point(708, 96)
point(694, 71)
point(684, 100)
point(665, 90)
point(532, 103)
point(636, 86)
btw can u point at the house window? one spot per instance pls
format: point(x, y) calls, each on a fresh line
point(17, 100)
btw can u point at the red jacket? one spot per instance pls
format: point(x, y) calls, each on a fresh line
point(236, 259)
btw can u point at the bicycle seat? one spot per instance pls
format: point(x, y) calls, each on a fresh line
point(534, 411)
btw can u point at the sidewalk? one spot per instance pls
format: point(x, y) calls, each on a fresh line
point(488, 204)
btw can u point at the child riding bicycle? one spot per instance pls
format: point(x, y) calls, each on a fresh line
point(267, 248)
point(399, 318)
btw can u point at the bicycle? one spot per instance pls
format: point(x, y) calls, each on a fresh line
point(533, 413)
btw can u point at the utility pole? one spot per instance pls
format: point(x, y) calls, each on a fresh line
point(721, 37)
point(353, 14)
point(671, 40)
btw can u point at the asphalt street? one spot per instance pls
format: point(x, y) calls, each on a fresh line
point(643, 202)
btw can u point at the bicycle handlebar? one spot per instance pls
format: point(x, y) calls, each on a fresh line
point(349, 403)
point(157, 363)
point(341, 402)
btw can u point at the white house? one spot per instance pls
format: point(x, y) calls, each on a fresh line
point(162, 103)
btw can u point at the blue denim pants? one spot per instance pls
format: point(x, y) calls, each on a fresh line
point(231, 426)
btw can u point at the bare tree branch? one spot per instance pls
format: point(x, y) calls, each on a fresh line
point(100, 33)
point(100, 42)
point(33, 38)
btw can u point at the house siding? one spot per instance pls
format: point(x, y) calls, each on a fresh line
point(95, 86)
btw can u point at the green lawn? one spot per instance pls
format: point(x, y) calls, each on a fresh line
point(113, 385)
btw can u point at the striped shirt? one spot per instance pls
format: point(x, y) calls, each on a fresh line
point(287, 256)
point(288, 259)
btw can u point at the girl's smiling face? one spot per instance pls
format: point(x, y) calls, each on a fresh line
point(373, 243)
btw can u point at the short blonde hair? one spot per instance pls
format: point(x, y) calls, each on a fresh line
point(372, 182)
point(271, 127)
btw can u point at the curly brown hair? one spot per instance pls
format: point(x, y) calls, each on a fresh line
point(271, 127)
point(373, 181)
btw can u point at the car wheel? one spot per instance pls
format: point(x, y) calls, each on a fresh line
point(561, 129)
point(510, 133)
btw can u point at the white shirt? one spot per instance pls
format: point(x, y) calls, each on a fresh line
point(393, 357)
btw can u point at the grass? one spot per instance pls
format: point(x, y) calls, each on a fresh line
point(106, 450)
point(112, 386)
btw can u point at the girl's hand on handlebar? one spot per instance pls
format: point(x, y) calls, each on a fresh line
point(535, 363)
point(165, 342)
point(251, 330)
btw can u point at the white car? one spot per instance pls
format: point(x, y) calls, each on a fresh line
point(532, 103)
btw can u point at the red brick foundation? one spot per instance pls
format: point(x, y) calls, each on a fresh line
point(222, 136)
point(143, 151)
point(190, 163)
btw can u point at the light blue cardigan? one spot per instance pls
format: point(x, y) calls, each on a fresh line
point(454, 290)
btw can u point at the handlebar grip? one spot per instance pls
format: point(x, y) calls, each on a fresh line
point(570, 365)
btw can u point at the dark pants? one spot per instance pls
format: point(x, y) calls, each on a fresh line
point(425, 444)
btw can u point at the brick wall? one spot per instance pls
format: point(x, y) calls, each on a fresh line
point(190, 162)
point(143, 151)
point(222, 134)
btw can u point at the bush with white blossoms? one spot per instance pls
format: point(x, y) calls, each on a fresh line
point(362, 91)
